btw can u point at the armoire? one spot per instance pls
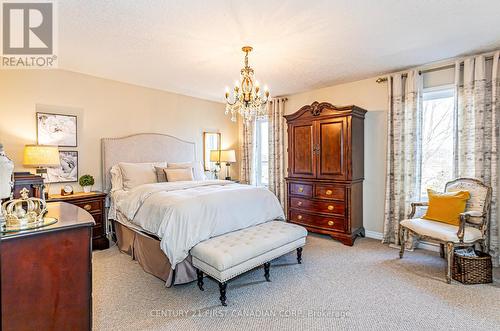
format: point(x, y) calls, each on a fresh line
point(326, 170)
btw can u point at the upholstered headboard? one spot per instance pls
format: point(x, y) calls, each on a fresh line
point(143, 147)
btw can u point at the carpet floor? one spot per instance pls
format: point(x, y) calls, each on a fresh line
point(364, 287)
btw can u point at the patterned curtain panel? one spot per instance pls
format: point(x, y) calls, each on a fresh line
point(403, 151)
point(247, 153)
point(478, 106)
point(277, 128)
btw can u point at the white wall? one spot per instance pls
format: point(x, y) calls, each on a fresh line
point(105, 108)
point(371, 96)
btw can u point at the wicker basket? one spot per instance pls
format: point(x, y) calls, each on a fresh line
point(472, 270)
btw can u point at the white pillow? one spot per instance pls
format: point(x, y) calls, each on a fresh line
point(198, 171)
point(177, 175)
point(116, 178)
point(135, 174)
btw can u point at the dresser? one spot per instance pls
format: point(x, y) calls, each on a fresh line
point(92, 202)
point(46, 273)
point(326, 170)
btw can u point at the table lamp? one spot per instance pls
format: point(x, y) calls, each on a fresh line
point(228, 156)
point(41, 157)
point(215, 157)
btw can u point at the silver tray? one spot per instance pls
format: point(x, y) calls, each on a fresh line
point(46, 221)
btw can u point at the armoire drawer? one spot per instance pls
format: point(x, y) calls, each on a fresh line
point(323, 222)
point(329, 192)
point(326, 207)
point(305, 190)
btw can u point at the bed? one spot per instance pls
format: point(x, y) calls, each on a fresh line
point(158, 223)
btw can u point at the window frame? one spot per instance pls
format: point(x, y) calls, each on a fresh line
point(438, 92)
point(258, 151)
point(433, 93)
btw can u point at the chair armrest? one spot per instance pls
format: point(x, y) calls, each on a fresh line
point(472, 213)
point(464, 218)
point(414, 206)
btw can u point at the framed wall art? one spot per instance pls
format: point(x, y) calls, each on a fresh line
point(67, 171)
point(56, 129)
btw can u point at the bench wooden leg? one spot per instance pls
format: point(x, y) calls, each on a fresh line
point(299, 255)
point(267, 265)
point(222, 289)
point(199, 273)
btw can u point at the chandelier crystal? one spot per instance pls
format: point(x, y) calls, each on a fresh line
point(247, 98)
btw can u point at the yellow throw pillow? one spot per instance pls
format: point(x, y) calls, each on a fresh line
point(446, 207)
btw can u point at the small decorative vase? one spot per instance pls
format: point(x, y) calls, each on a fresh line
point(87, 189)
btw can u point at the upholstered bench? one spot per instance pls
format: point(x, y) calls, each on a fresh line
point(229, 255)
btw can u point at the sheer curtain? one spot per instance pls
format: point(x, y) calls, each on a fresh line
point(477, 86)
point(277, 129)
point(403, 151)
point(247, 167)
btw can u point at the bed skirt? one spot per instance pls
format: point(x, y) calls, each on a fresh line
point(147, 252)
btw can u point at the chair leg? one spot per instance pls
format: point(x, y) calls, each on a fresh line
point(441, 250)
point(267, 265)
point(401, 241)
point(222, 289)
point(199, 273)
point(449, 258)
point(482, 245)
point(299, 255)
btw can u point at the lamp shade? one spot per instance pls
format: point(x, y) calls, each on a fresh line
point(228, 156)
point(41, 156)
point(214, 156)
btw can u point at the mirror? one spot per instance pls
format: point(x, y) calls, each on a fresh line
point(211, 141)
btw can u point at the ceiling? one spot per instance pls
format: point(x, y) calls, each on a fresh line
point(194, 47)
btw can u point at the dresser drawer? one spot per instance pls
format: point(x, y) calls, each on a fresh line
point(301, 189)
point(328, 207)
point(324, 222)
point(97, 218)
point(329, 192)
point(98, 231)
point(90, 206)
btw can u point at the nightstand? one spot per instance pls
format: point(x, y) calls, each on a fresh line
point(92, 202)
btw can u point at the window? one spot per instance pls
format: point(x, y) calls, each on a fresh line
point(261, 152)
point(438, 131)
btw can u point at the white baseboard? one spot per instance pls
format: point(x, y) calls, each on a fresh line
point(422, 245)
point(374, 235)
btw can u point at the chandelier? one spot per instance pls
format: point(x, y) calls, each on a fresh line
point(247, 98)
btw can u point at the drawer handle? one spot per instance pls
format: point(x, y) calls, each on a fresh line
point(330, 223)
point(301, 189)
point(329, 192)
point(87, 207)
point(299, 217)
point(330, 207)
point(299, 203)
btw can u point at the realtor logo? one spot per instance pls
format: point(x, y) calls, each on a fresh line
point(28, 34)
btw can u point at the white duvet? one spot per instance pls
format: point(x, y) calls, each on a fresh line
point(183, 214)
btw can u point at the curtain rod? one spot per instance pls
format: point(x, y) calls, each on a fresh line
point(443, 67)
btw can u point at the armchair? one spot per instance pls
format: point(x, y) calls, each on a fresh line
point(471, 230)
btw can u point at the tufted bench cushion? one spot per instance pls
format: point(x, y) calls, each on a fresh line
point(234, 253)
